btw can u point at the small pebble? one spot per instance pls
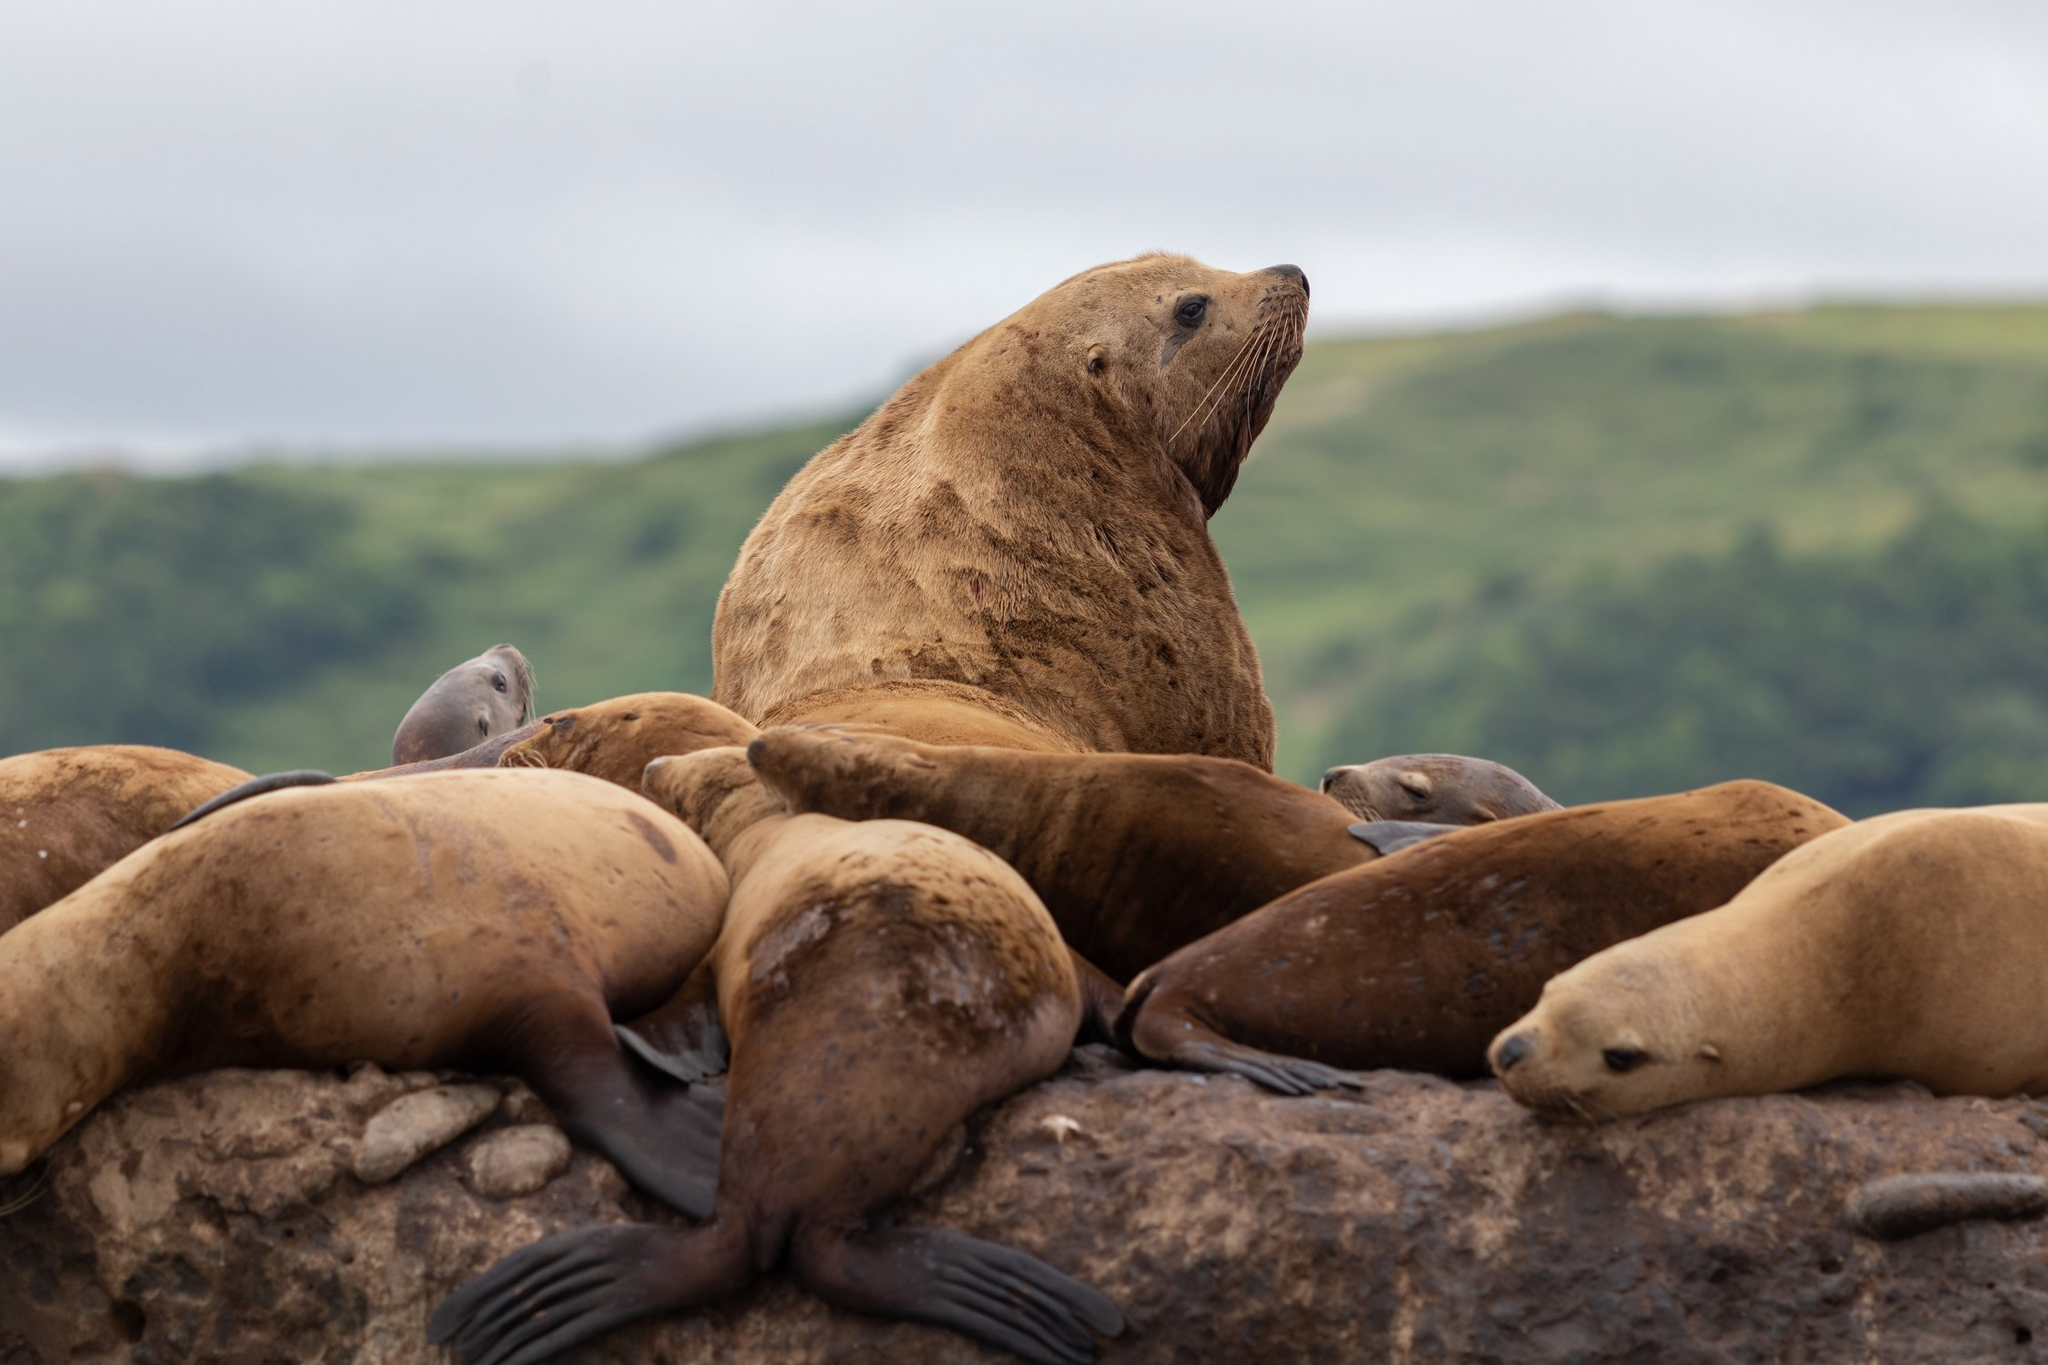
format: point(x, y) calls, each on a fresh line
point(515, 1161)
point(417, 1123)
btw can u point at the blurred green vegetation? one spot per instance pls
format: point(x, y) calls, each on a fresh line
point(1624, 555)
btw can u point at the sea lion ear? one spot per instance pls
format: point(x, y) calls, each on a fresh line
point(1709, 1053)
point(1098, 356)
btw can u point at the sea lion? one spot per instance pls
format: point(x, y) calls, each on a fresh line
point(878, 981)
point(66, 815)
point(1910, 946)
point(1134, 854)
point(1442, 789)
point(1416, 961)
point(1026, 521)
point(482, 920)
point(472, 701)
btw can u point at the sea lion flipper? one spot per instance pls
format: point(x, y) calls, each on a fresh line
point(987, 1291)
point(683, 1038)
point(256, 786)
point(1102, 1000)
point(1162, 1030)
point(1391, 836)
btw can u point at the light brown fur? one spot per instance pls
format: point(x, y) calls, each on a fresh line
point(66, 815)
point(1911, 945)
point(1026, 520)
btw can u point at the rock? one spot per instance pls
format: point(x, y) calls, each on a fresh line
point(515, 1161)
point(417, 1123)
point(215, 1218)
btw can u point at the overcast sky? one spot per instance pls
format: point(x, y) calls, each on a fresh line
point(447, 222)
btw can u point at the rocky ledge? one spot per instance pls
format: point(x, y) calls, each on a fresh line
point(287, 1216)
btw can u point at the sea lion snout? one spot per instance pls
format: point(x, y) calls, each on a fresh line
point(1292, 272)
point(1511, 1050)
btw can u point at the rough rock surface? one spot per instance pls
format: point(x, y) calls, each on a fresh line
point(217, 1219)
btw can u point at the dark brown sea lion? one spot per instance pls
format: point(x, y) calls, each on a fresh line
point(1134, 854)
point(1026, 521)
point(482, 920)
point(66, 815)
point(1417, 961)
point(472, 701)
point(1444, 789)
point(1912, 945)
point(878, 981)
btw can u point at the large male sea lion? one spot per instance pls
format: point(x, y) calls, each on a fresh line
point(878, 982)
point(1912, 945)
point(1416, 961)
point(1016, 543)
point(1134, 854)
point(472, 701)
point(66, 815)
point(1444, 789)
point(482, 920)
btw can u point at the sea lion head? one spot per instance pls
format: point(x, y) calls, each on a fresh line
point(713, 791)
point(1186, 357)
point(615, 739)
point(1620, 1033)
point(472, 701)
point(1445, 789)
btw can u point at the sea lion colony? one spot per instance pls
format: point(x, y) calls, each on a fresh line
point(987, 768)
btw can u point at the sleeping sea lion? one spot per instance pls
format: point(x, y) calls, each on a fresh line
point(489, 921)
point(1442, 789)
point(1416, 961)
point(66, 815)
point(1912, 945)
point(472, 701)
point(878, 982)
point(1025, 524)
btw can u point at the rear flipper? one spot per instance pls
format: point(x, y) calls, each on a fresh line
point(683, 1038)
point(256, 786)
point(566, 1289)
point(1160, 1031)
point(989, 1292)
point(1391, 836)
point(1102, 1000)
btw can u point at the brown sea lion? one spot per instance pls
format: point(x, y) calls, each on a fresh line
point(472, 701)
point(878, 981)
point(1416, 961)
point(482, 920)
point(1912, 945)
point(1026, 521)
point(1444, 789)
point(1134, 854)
point(66, 815)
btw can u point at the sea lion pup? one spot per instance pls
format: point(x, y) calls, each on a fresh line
point(1441, 789)
point(489, 921)
point(1912, 945)
point(1134, 854)
point(1416, 961)
point(66, 815)
point(1026, 523)
point(878, 981)
point(472, 701)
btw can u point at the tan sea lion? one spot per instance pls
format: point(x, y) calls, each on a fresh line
point(1446, 789)
point(66, 815)
point(472, 701)
point(1912, 946)
point(1026, 522)
point(1417, 960)
point(879, 981)
point(482, 920)
point(1134, 854)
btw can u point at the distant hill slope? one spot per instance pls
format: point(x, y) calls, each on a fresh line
point(1623, 554)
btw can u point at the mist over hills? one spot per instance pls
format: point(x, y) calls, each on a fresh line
point(1624, 555)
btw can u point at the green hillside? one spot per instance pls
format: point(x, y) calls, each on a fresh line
point(1625, 555)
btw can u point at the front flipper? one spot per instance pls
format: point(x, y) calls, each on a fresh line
point(1391, 836)
point(256, 786)
point(1102, 1000)
point(574, 1286)
point(989, 1292)
point(683, 1038)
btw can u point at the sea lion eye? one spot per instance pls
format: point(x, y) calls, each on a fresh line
point(1418, 795)
point(1620, 1059)
point(498, 681)
point(1191, 310)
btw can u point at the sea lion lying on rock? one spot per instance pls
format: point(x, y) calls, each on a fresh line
point(66, 815)
point(1912, 945)
point(878, 982)
point(1014, 548)
point(1416, 961)
point(491, 921)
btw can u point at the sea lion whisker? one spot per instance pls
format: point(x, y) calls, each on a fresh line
point(37, 1184)
point(1200, 403)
